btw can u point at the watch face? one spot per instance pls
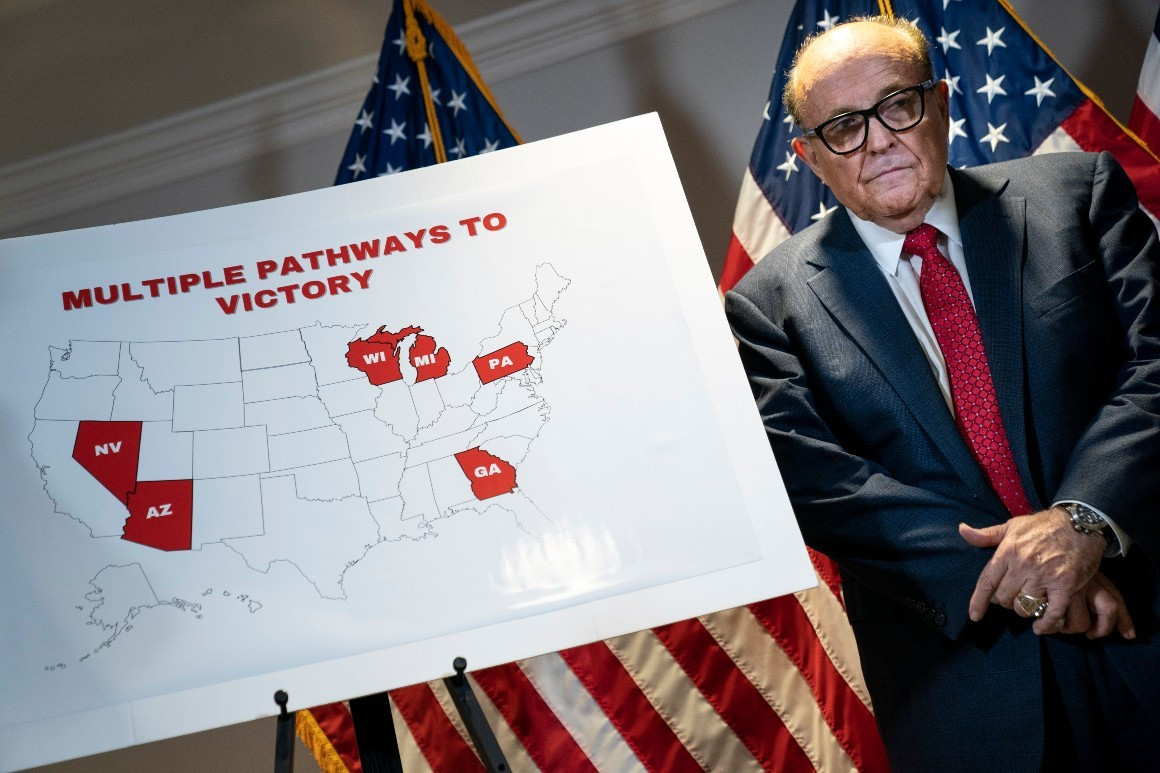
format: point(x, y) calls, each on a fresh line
point(1087, 518)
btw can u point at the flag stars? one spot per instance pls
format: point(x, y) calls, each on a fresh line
point(822, 211)
point(1040, 90)
point(460, 149)
point(947, 2)
point(992, 40)
point(365, 121)
point(788, 121)
point(456, 102)
point(993, 86)
point(396, 131)
point(401, 42)
point(765, 112)
point(391, 169)
point(953, 83)
point(489, 146)
point(435, 96)
point(401, 86)
point(956, 129)
point(994, 135)
point(359, 166)
point(827, 23)
point(790, 165)
point(425, 136)
point(947, 40)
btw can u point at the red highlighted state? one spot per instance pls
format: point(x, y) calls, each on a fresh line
point(378, 355)
point(161, 515)
point(489, 475)
point(428, 362)
point(503, 362)
point(109, 451)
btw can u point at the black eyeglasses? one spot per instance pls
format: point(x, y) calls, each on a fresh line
point(898, 111)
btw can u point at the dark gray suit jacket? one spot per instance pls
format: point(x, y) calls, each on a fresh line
point(1065, 274)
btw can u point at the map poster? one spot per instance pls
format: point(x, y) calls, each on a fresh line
point(327, 443)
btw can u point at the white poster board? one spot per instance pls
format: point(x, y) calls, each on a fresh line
point(328, 442)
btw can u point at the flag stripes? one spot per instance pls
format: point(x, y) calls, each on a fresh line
point(440, 742)
point(1145, 118)
point(409, 753)
point(580, 713)
point(786, 621)
point(826, 613)
point(733, 696)
point(524, 710)
point(781, 684)
point(773, 686)
point(1094, 130)
point(701, 729)
point(506, 736)
point(652, 740)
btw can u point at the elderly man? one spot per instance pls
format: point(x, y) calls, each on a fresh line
point(959, 372)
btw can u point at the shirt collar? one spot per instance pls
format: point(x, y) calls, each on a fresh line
point(886, 246)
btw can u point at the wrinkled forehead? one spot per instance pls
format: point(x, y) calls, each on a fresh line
point(853, 39)
point(854, 54)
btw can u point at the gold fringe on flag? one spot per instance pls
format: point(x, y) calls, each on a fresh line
point(319, 745)
point(417, 51)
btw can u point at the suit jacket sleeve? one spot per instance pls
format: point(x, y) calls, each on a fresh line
point(897, 539)
point(1115, 465)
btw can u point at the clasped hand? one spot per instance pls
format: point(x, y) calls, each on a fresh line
point(1042, 556)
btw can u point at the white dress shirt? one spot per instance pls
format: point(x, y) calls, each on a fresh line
point(902, 274)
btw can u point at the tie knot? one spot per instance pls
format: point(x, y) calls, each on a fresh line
point(921, 240)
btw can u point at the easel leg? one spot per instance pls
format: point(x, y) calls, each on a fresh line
point(378, 748)
point(284, 738)
point(481, 735)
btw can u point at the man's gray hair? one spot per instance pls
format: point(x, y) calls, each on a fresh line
point(918, 49)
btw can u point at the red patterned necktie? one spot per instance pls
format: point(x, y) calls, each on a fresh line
point(956, 328)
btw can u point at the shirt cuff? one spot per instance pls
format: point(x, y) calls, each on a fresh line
point(1124, 540)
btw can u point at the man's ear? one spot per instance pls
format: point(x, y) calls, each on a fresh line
point(804, 150)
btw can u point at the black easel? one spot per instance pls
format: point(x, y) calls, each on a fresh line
point(284, 740)
point(374, 730)
point(472, 715)
point(378, 748)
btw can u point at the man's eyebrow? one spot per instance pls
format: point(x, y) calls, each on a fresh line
point(885, 91)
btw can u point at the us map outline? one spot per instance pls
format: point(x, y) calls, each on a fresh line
point(175, 445)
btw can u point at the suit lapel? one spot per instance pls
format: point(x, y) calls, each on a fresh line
point(851, 287)
point(993, 228)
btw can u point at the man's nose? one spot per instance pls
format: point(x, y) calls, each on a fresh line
point(878, 137)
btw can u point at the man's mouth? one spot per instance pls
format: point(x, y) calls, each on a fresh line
point(886, 174)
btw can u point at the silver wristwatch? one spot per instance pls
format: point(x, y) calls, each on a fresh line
point(1087, 521)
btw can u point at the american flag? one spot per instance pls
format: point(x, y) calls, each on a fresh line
point(1145, 120)
point(394, 130)
point(1009, 98)
point(771, 686)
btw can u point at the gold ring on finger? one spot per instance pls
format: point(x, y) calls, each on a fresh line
point(1030, 606)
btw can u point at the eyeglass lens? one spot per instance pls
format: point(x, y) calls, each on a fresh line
point(897, 112)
